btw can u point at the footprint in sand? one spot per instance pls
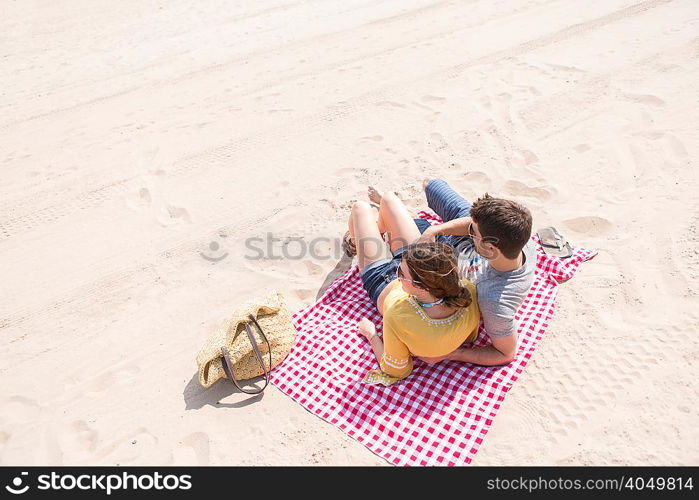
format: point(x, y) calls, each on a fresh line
point(20, 409)
point(4, 438)
point(82, 436)
point(144, 195)
point(517, 188)
point(432, 111)
point(504, 97)
point(437, 137)
point(129, 448)
point(590, 225)
point(432, 98)
point(485, 102)
point(312, 269)
point(139, 199)
point(477, 176)
point(109, 379)
point(647, 99)
point(676, 146)
point(178, 213)
point(194, 450)
point(562, 67)
point(524, 418)
point(303, 293)
point(390, 104)
point(525, 158)
point(372, 138)
point(70, 442)
point(529, 157)
point(306, 268)
point(171, 214)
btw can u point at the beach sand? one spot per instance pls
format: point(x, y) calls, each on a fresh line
point(138, 141)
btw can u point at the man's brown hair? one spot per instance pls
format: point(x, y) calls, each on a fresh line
point(504, 223)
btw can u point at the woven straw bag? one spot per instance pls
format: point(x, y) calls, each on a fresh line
point(257, 337)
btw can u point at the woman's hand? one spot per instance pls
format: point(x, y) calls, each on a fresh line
point(366, 328)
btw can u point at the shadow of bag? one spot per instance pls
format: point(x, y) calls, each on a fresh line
point(257, 338)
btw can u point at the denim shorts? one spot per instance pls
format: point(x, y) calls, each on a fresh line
point(377, 275)
point(446, 203)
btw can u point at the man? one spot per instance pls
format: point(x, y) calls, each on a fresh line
point(493, 241)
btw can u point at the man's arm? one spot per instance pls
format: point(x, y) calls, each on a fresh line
point(502, 351)
point(458, 227)
point(501, 328)
point(500, 325)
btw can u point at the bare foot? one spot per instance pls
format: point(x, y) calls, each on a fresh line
point(425, 183)
point(375, 195)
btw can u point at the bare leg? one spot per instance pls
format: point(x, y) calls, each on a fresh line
point(395, 218)
point(365, 234)
point(375, 196)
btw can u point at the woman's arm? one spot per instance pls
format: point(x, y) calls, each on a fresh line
point(393, 355)
point(366, 328)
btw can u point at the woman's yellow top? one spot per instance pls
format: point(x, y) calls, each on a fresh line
point(408, 332)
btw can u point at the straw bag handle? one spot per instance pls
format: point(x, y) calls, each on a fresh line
point(228, 367)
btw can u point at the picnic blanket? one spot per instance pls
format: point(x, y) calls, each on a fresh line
point(440, 414)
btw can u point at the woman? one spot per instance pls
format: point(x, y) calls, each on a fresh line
point(426, 310)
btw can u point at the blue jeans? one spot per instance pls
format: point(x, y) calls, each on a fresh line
point(449, 205)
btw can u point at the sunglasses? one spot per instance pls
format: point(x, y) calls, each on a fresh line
point(402, 277)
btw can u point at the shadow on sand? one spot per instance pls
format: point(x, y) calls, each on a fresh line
point(343, 265)
point(196, 396)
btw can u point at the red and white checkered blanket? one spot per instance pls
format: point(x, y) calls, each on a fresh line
point(440, 414)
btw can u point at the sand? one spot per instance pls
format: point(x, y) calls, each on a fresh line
point(138, 138)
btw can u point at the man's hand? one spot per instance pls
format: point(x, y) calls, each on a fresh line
point(429, 236)
point(502, 351)
point(431, 361)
